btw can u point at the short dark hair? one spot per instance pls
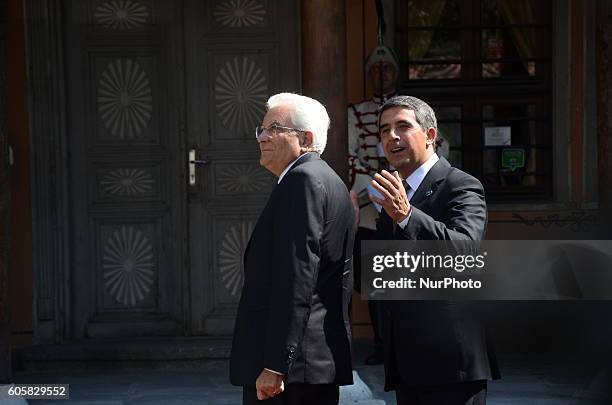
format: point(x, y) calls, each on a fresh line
point(425, 115)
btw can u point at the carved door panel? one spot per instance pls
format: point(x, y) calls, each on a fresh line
point(126, 169)
point(238, 53)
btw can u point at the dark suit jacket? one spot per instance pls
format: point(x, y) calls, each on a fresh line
point(437, 342)
point(293, 312)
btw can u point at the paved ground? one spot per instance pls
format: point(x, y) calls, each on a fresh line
point(523, 383)
point(526, 381)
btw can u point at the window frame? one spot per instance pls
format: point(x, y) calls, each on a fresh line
point(473, 91)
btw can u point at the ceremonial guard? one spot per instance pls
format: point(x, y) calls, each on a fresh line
point(366, 157)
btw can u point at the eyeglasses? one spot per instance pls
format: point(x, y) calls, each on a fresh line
point(274, 128)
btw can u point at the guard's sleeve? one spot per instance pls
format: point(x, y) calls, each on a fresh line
point(358, 174)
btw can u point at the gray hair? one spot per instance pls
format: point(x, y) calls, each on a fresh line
point(424, 114)
point(307, 114)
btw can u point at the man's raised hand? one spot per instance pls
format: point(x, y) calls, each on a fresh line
point(395, 201)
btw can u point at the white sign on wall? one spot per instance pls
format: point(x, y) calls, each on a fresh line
point(497, 136)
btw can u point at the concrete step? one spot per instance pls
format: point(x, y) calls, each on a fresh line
point(130, 353)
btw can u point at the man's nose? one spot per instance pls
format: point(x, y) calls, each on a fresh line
point(392, 134)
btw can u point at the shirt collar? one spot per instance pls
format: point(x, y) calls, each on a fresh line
point(289, 167)
point(416, 178)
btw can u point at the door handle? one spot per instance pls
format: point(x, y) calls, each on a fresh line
point(193, 162)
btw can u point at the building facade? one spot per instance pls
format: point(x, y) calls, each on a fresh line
point(136, 184)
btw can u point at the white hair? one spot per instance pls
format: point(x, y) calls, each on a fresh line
point(306, 114)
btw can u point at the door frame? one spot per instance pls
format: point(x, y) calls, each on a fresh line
point(49, 170)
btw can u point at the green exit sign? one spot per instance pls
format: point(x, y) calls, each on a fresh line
point(513, 158)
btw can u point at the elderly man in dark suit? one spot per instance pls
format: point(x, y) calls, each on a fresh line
point(292, 336)
point(435, 352)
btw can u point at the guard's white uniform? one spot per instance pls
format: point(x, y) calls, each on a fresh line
point(366, 156)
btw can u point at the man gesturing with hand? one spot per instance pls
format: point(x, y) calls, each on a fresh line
point(435, 352)
point(394, 201)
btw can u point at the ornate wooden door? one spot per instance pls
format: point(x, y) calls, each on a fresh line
point(125, 141)
point(238, 53)
point(148, 80)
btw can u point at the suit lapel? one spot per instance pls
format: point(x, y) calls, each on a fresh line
point(430, 183)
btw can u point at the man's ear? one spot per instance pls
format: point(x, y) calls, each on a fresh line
point(431, 136)
point(307, 140)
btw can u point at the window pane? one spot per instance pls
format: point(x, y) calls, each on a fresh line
point(482, 50)
point(433, 45)
point(448, 139)
point(492, 44)
point(514, 157)
point(513, 133)
point(512, 43)
point(490, 12)
point(504, 112)
point(498, 12)
point(434, 71)
point(447, 113)
point(433, 13)
point(451, 133)
point(495, 69)
point(529, 176)
point(515, 50)
point(518, 45)
point(490, 162)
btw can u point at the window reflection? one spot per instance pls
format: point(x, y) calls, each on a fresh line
point(427, 42)
point(522, 121)
point(503, 57)
point(484, 63)
point(516, 43)
point(429, 13)
point(450, 133)
point(440, 30)
point(435, 71)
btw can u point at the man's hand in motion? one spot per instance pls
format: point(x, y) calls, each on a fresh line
point(269, 385)
point(395, 201)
